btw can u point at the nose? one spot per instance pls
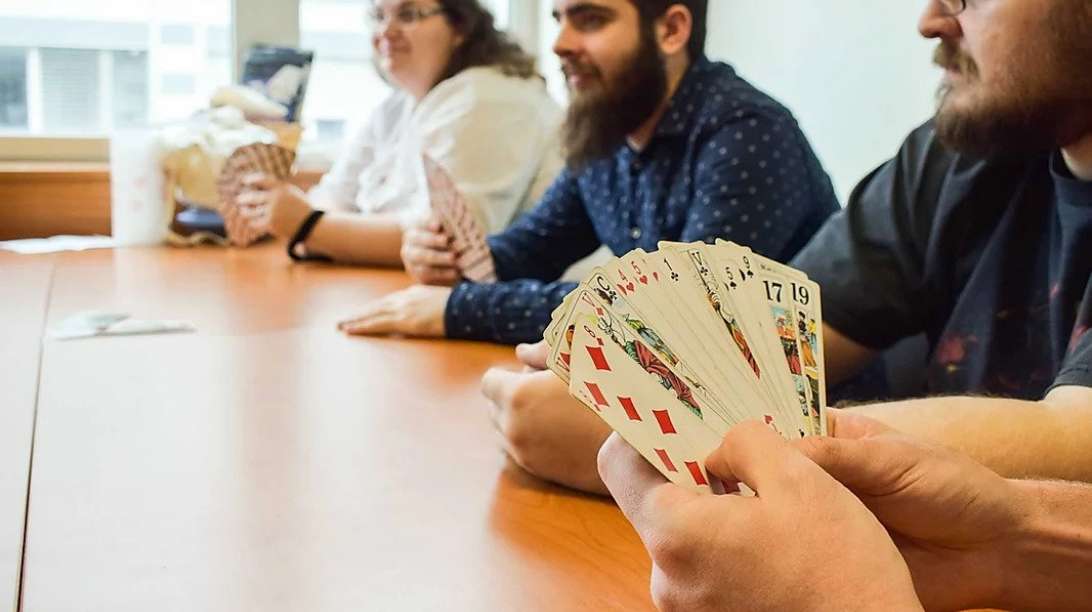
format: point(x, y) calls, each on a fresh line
point(567, 42)
point(385, 29)
point(936, 23)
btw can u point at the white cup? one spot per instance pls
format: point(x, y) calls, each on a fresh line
point(138, 209)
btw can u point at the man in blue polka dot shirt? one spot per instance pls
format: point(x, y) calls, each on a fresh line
point(661, 144)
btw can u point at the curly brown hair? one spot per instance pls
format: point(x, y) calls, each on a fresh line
point(483, 44)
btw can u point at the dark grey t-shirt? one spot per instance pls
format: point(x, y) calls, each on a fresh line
point(990, 259)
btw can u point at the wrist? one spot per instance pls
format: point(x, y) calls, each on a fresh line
point(1048, 560)
point(297, 249)
point(288, 215)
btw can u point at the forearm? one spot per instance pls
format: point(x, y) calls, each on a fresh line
point(1050, 566)
point(1017, 439)
point(361, 239)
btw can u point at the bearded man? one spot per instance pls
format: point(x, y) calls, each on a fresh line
point(978, 234)
point(661, 144)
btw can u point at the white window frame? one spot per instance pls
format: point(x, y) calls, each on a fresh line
point(253, 21)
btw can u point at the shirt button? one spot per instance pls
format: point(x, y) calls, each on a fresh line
point(635, 233)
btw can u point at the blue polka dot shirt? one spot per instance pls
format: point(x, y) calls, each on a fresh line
point(726, 161)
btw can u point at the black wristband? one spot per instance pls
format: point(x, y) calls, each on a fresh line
point(301, 236)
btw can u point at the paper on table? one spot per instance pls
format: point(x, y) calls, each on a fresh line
point(92, 323)
point(57, 244)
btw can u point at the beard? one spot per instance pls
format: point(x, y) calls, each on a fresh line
point(1043, 102)
point(599, 119)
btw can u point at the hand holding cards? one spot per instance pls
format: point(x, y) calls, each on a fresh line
point(473, 257)
point(674, 348)
point(247, 223)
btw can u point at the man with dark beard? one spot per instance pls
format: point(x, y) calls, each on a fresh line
point(661, 144)
point(978, 234)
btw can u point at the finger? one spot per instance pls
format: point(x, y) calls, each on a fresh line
point(435, 224)
point(259, 180)
point(498, 385)
point(642, 493)
point(842, 454)
point(346, 324)
point(251, 198)
point(533, 355)
point(432, 258)
point(869, 465)
point(851, 425)
point(375, 326)
point(438, 276)
point(251, 213)
point(428, 239)
point(757, 456)
point(375, 309)
point(260, 226)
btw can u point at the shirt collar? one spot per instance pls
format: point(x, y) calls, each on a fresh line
point(1071, 189)
point(682, 106)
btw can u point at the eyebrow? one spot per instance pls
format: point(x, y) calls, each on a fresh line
point(378, 6)
point(584, 8)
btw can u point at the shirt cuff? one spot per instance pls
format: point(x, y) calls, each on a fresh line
point(464, 301)
point(508, 312)
point(1076, 376)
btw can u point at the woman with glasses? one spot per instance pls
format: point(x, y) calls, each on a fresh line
point(466, 97)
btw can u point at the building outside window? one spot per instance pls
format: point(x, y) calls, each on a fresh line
point(77, 69)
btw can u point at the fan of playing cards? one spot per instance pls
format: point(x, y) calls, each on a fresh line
point(473, 257)
point(244, 224)
point(674, 348)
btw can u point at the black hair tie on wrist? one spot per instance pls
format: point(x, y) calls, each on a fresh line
point(301, 236)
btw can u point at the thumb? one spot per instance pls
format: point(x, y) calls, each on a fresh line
point(846, 424)
point(847, 461)
point(868, 465)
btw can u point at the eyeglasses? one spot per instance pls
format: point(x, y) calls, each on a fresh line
point(405, 16)
point(953, 7)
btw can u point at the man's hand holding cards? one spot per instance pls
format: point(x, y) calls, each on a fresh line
point(674, 348)
point(464, 231)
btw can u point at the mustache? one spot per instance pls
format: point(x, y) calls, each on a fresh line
point(572, 67)
point(950, 57)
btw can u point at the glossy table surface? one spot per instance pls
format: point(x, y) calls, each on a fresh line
point(266, 462)
point(23, 303)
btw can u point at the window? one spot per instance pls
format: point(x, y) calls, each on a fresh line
point(77, 68)
point(71, 70)
point(344, 87)
point(13, 89)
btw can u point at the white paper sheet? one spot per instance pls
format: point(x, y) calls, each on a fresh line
point(57, 244)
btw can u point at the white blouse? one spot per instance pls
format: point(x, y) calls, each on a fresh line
point(497, 136)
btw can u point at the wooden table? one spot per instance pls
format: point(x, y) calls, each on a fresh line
point(269, 463)
point(22, 313)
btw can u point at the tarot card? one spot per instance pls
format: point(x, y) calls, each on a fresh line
point(647, 416)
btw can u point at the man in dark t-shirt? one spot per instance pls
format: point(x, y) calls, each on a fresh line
point(978, 234)
point(989, 258)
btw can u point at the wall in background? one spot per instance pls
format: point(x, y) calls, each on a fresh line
point(857, 75)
